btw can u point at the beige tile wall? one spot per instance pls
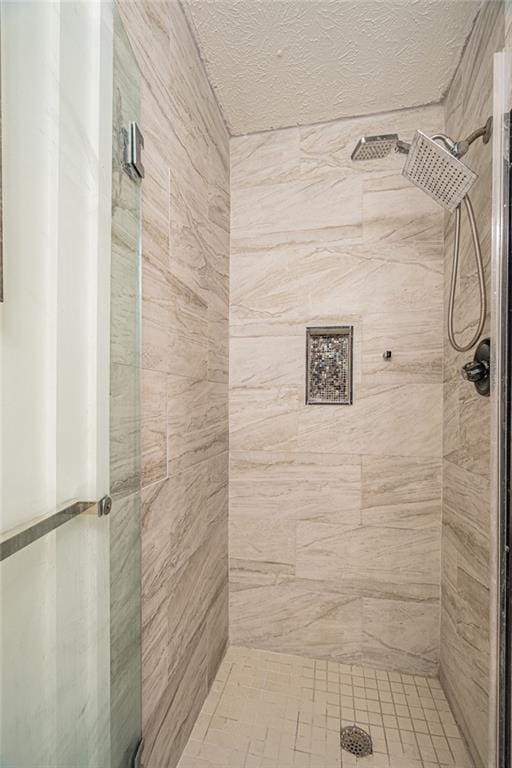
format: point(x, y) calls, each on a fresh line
point(335, 511)
point(185, 396)
point(466, 471)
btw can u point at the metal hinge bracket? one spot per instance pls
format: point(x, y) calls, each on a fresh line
point(105, 506)
point(133, 146)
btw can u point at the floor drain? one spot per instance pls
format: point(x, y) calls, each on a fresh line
point(356, 741)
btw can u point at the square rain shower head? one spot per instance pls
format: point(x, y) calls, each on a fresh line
point(431, 168)
point(374, 147)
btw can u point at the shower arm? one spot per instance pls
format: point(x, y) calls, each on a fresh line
point(485, 132)
point(402, 147)
point(457, 148)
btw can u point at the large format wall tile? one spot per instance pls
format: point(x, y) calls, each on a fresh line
point(333, 553)
point(154, 426)
point(331, 201)
point(379, 422)
point(298, 618)
point(401, 492)
point(184, 412)
point(335, 512)
point(402, 635)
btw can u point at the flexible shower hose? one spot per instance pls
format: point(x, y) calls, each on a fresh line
point(455, 268)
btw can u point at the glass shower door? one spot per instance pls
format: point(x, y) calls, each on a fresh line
point(69, 387)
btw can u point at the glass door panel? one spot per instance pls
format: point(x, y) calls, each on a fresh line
point(69, 415)
point(125, 463)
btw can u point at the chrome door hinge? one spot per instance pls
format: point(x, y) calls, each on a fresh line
point(105, 506)
point(133, 146)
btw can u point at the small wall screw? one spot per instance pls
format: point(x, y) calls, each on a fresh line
point(387, 354)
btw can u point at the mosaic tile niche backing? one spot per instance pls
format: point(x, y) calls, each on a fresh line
point(329, 366)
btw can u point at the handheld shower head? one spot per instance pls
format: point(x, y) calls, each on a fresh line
point(374, 147)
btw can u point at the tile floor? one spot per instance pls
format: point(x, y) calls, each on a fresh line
point(268, 710)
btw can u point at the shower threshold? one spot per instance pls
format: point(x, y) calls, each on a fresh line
point(270, 710)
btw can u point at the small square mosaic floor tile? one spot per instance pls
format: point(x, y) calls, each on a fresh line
point(269, 710)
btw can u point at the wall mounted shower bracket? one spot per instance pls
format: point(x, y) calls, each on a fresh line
point(461, 147)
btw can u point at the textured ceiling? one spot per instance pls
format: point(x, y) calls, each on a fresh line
point(277, 63)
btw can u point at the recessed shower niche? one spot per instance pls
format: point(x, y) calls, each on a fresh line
point(329, 365)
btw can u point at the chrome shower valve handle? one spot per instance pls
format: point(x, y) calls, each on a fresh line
point(478, 370)
point(475, 371)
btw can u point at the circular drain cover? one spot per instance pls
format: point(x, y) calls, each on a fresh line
point(356, 741)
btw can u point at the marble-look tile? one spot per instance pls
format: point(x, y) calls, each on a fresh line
point(189, 212)
point(189, 606)
point(155, 317)
point(331, 201)
point(154, 426)
point(378, 422)
point(323, 487)
point(474, 409)
point(217, 627)
point(185, 287)
point(463, 497)
point(451, 419)
point(262, 298)
point(263, 418)
point(263, 361)
point(188, 325)
point(344, 500)
point(391, 555)
point(218, 488)
point(197, 421)
point(402, 635)
point(125, 625)
point(298, 619)
point(401, 492)
point(215, 240)
point(218, 191)
point(261, 523)
point(169, 727)
point(414, 340)
point(187, 497)
point(467, 690)
point(155, 534)
point(125, 429)
point(328, 146)
point(155, 208)
point(394, 211)
point(217, 414)
point(356, 279)
point(218, 342)
point(264, 158)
